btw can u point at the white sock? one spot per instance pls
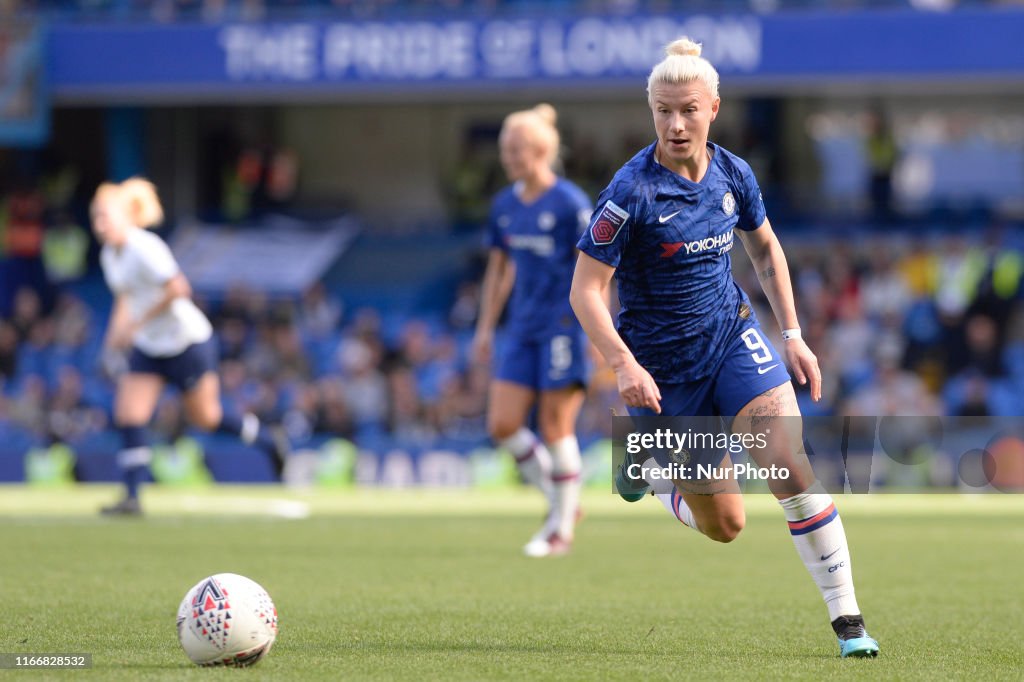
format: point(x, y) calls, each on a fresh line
point(250, 428)
point(532, 459)
point(676, 506)
point(820, 541)
point(134, 457)
point(659, 484)
point(565, 476)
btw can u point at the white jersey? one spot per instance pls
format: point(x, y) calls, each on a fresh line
point(138, 271)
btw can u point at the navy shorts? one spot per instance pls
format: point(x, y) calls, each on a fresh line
point(749, 367)
point(547, 364)
point(182, 371)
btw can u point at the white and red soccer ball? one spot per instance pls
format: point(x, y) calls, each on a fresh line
point(227, 619)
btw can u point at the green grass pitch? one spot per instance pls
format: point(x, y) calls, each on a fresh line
point(386, 585)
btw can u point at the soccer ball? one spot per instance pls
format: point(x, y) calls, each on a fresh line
point(226, 619)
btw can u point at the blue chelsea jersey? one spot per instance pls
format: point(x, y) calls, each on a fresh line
point(540, 239)
point(669, 239)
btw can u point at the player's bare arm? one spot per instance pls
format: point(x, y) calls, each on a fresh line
point(772, 270)
point(589, 299)
point(119, 328)
point(498, 280)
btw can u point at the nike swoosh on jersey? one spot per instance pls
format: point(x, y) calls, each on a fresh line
point(670, 216)
point(824, 557)
point(762, 370)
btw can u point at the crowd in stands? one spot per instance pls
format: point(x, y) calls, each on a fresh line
point(256, 10)
point(904, 321)
point(901, 325)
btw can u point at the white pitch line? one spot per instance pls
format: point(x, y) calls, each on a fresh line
point(243, 506)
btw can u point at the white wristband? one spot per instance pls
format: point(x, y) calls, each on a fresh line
point(790, 334)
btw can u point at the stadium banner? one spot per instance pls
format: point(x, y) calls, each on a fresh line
point(24, 100)
point(282, 256)
point(284, 59)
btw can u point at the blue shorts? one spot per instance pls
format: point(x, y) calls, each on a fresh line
point(183, 370)
point(749, 367)
point(546, 364)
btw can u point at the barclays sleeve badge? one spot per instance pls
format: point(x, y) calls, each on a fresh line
point(608, 224)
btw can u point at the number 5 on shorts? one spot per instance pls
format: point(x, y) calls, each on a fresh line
point(561, 353)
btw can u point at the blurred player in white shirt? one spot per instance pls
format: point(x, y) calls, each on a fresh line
point(168, 338)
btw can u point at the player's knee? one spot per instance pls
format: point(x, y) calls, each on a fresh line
point(207, 419)
point(127, 413)
point(551, 430)
point(725, 528)
point(500, 427)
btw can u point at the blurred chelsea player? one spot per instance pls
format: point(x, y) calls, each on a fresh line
point(688, 342)
point(542, 355)
point(169, 339)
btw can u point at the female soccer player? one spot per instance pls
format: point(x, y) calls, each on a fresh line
point(533, 228)
point(170, 340)
point(688, 343)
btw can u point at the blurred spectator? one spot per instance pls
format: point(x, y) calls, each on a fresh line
point(27, 311)
point(23, 236)
point(982, 354)
point(961, 268)
point(462, 413)
point(65, 251)
point(28, 408)
point(333, 415)
point(258, 178)
point(968, 396)
point(472, 182)
point(884, 291)
point(320, 313)
point(920, 269)
point(69, 418)
point(892, 391)
point(366, 392)
point(34, 355)
point(8, 351)
point(406, 420)
point(21, 229)
point(850, 343)
point(462, 315)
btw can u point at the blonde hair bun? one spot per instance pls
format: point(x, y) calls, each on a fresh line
point(539, 125)
point(546, 113)
point(143, 203)
point(682, 63)
point(683, 47)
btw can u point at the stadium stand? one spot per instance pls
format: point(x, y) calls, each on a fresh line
point(921, 311)
point(932, 329)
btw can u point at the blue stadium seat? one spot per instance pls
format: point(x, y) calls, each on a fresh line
point(228, 459)
point(14, 443)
